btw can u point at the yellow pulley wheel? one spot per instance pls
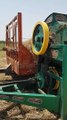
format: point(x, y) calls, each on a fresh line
point(40, 38)
point(57, 83)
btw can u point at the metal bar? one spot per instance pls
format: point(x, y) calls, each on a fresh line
point(2, 70)
point(15, 18)
point(41, 91)
point(64, 85)
point(14, 81)
point(19, 30)
point(50, 102)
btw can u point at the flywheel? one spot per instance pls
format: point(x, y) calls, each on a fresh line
point(40, 38)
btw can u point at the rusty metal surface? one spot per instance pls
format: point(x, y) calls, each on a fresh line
point(22, 61)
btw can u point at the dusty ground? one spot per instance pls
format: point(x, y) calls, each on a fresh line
point(11, 111)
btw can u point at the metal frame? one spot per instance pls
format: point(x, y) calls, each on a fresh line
point(15, 23)
point(22, 61)
point(56, 103)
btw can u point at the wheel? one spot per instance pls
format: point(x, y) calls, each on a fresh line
point(40, 38)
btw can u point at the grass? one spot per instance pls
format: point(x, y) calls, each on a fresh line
point(2, 54)
point(2, 44)
point(2, 63)
point(2, 59)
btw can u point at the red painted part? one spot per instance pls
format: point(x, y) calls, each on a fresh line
point(21, 59)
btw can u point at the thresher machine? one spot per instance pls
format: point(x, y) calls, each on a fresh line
point(45, 85)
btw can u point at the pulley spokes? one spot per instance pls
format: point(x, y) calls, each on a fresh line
point(40, 38)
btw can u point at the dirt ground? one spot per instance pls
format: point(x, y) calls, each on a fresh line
point(13, 111)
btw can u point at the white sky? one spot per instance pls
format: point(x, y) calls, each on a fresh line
point(32, 11)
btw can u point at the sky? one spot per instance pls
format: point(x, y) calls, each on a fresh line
point(32, 11)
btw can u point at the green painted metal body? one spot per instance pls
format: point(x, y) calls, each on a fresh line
point(58, 27)
point(54, 102)
point(58, 34)
point(64, 85)
point(34, 99)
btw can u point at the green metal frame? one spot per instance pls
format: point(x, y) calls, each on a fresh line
point(64, 85)
point(50, 102)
